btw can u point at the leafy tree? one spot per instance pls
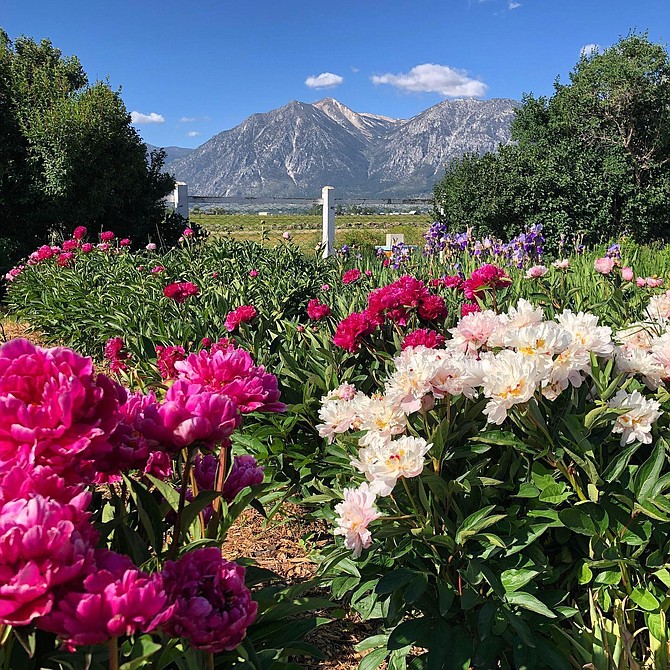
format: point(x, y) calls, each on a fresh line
point(593, 158)
point(69, 155)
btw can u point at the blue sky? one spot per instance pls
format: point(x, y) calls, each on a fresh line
point(189, 70)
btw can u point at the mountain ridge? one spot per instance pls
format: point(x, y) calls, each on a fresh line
point(296, 149)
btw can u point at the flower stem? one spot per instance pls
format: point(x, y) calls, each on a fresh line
point(221, 472)
point(209, 660)
point(113, 651)
point(176, 533)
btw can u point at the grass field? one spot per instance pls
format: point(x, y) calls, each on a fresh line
point(305, 229)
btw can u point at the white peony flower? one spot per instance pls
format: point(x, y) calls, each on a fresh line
point(338, 416)
point(454, 375)
point(383, 463)
point(659, 307)
point(636, 423)
point(636, 336)
point(586, 333)
point(510, 378)
point(354, 515)
point(410, 382)
point(543, 339)
point(378, 414)
point(639, 362)
point(660, 351)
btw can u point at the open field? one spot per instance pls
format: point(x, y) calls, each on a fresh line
point(306, 229)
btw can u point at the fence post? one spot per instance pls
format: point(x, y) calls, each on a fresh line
point(181, 199)
point(328, 232)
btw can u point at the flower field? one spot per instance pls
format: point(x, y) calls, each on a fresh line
point(483, 427)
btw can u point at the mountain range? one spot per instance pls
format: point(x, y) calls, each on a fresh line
point(299, 148)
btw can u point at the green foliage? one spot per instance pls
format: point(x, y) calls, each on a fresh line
point(69, 155)
point(592, 159)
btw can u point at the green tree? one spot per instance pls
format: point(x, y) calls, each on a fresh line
point(71, 156)
point(592, 158)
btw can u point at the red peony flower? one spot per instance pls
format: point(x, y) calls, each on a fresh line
point(470, 308)
point(167, 357)
point(243, 314)
point(351, 330)
point(180, 291)
point(351, 276)
point(432, 308)
point(79, 232)
point(423, 337)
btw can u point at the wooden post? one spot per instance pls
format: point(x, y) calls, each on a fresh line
point(181, 199)
point(328, 233)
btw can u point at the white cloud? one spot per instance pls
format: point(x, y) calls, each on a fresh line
point(324, 80)
point(187, 119)
point(431, 78)
point(193, 133)
point(354, 69)
point(142, 119)
point(589, 49)
point(513, 5)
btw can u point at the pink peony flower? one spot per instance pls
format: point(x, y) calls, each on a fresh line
point(231, 372)
point(107, 236)
point(103, 246)
point(167, 357)
point(188, 232)
point(325, 287)
point(604, 265)
point(243, 314)
point(190, 414)
point(86, 248)
point(114, 599)
point(79, 232)
point(151, 246)
point(44, 543)
point(368, 273)
point(627, 274)
point(355, 514)
point(286, 235)
point(53, 410)
point(351, 276)
point(14, 272)
point(654, 282)
point(641, 282)
point(244, 472)
point(212, 606)
point(180, 292)
point(157, 269)
point(536, 272)
point(423, 337)
point(317, 310)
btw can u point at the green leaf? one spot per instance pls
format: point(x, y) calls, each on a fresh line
point(476, 522)
point(644, 599)
point(373, 660)
point(514, 579)
point(647, 475)
point(529, 602)
point(410, 632)
point(586, 519)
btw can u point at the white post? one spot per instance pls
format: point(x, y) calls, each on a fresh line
point(181, 199)
point(328, 232)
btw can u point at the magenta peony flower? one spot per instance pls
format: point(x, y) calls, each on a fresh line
point(604, 265)
point(243, 314)
point(86, 248)
point(70, 245)
point(423, 337)
point(470, 308)
point(351, 276)
point(65, 259)
point(191, 414)
point(204, 471)
point(157, 269)
point(180, 291)
point(125, 242)
point(212, 606)
point(317, 310)
point(115, 354)
point(432, 308)
point(79, 232)
point(114, 599)
point(353, 328)
point(167, 357)
point(43, 543)
point(188, 232)
point(253, 273)
point(244, 472)
point(132, 449)
point(232, 372)
point(486, 277)
point(53, 410)
point(107, 236)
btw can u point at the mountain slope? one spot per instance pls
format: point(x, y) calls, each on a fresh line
point(299, 148)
